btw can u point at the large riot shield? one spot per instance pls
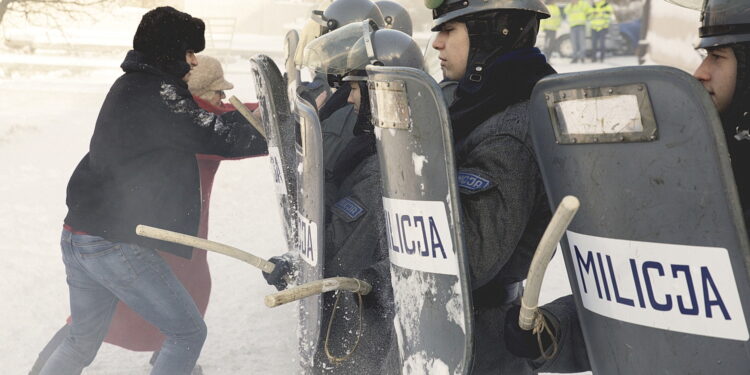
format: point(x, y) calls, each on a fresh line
point(657, 254)
point(429, 269)
point(279, 126)
point(310, 224)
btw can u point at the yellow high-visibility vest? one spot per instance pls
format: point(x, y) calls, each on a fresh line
point(576, 12)
point(600, 15)
point(555, 19)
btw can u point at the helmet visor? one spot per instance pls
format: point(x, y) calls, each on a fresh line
point(340, 51)
point(691, 4)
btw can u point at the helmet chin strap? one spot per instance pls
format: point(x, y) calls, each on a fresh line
point(492, 35)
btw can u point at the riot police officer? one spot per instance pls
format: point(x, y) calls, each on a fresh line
point(336, 115)
point(354, 220)
point(488, 47)
point(725, 74)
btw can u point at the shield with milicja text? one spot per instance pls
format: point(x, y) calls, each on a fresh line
point(429, 268)
point(657, 254)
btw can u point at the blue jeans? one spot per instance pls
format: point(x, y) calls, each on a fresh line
point(578, 38)
point(99, 273)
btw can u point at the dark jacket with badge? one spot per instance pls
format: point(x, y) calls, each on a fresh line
point(505, 209)
point(355, 231)
point(141, 166)
point(354, 247)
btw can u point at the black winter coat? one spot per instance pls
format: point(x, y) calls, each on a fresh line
point(141, 166)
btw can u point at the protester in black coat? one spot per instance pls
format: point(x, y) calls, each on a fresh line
point(141, 169)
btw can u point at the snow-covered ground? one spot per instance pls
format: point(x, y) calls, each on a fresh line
point(46, 120)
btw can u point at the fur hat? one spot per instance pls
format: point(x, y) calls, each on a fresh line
point(166, 34)
point(207, 76)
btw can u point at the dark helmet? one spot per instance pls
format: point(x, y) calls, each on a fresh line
point(343, 12)
point(448, 10)
point(726, 23)
point(389, 48)
point(396, 17)
point(495, 27)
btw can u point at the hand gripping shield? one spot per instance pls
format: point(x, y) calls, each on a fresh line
point(279, 126)
point(429, 269)
point(310, 224)
point(658, 253)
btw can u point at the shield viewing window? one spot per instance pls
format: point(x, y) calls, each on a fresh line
point(616, 114)
point(389, 104)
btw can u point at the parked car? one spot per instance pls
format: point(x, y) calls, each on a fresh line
point(622, 39)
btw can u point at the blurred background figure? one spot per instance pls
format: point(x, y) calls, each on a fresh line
point(576, 13)
point(550, 26)
point(600, 17)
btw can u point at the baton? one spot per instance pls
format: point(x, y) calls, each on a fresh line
point(551, 237)
point(247, 115)
point(318, 287)
point(200, 243)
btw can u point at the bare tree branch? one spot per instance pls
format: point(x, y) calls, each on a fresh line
point(50, 10)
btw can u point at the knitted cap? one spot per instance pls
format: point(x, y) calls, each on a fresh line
point(207, 76)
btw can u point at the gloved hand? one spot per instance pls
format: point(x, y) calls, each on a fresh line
point(523, 343)
point(280, 273)
point(381, 296)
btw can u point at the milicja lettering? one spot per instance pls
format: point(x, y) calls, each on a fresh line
point(599, 271)
point(414, 235)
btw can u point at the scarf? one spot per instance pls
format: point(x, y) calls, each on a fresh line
point(508, 80)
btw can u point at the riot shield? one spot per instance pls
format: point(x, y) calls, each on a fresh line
point(279, 126)
point(429, 268)
point(292, 74)
point(657, 255)
point(310, 224)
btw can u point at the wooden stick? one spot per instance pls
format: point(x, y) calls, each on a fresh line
point(247, 115)
point(318, 287)
point(200, 243)
point(547, 245)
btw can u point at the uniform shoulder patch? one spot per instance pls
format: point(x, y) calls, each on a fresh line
point(471, 181)
point(349, 209)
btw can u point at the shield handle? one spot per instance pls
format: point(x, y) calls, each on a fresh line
point(547, 245)
point(318, 287)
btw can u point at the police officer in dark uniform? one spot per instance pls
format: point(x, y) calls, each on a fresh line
point(337, 117)
point(355, 226)
point(488, 47)
point(725, 74)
